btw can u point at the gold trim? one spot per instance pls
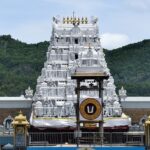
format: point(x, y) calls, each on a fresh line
point(93, 116)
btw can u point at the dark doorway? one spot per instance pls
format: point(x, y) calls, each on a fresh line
point(76, 41)
point(76, 56)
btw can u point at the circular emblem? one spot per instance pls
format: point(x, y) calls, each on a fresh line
point(90, 108)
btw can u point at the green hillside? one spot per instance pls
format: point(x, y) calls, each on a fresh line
point(130, 67)
point(21, 64)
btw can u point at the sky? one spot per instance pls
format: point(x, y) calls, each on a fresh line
point(120, 21)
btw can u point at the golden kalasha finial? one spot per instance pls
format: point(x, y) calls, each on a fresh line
point(78, 20)
point(74, 20)
point(64, 20)
point(86, 20)
point(82, 20)
point(71, 20)
point(20, 112)
point(67, 20)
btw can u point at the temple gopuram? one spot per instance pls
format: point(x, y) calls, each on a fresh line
point(74, 44)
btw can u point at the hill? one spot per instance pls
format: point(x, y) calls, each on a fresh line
point(130, 67)
point(21, 64)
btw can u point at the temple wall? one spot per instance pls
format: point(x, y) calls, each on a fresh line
point(136, 113)
point(13, 112)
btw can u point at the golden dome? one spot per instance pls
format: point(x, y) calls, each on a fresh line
point(147, 121)
point(20, 120)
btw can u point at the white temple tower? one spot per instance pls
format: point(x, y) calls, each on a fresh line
point(74, 42)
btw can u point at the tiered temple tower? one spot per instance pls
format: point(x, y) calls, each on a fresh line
point(74, 42)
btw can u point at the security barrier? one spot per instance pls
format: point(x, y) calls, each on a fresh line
point(86, 138)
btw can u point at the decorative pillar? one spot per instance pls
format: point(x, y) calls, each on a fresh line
point(20, 125)
point(147, 133)
point(101, 129)
point(77, 112)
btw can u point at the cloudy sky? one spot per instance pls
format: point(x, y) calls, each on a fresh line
point(120, 21)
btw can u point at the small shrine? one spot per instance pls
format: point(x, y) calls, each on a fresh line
point(20, 125)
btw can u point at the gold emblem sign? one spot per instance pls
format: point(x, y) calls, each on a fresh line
point(90, 109)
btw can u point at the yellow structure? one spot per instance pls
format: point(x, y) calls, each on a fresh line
point(20, 125)
point(147, 132)
point(74, 20)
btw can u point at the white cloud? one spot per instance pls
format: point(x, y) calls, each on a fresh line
point(114, 40)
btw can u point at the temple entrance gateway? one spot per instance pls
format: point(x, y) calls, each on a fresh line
point(75, 47)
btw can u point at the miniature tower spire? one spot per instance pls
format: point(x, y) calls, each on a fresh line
point(122, 93)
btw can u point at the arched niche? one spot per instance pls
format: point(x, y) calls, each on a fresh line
point(7, 124)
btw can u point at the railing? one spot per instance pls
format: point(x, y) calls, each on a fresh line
point(86, 138)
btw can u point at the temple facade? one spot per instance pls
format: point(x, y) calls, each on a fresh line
point(74, 44)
